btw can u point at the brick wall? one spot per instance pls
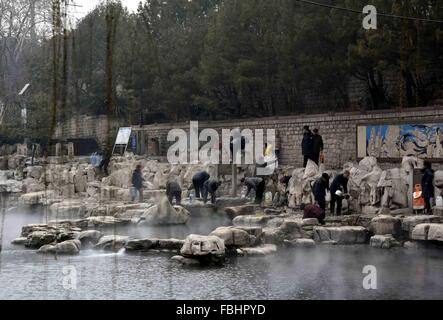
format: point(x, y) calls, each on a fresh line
point(339, 130)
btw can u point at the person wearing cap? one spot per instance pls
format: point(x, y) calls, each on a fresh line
point(339, 190)
point(321, 185)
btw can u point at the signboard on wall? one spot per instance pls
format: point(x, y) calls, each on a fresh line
point(123, 135)
point(393, 141)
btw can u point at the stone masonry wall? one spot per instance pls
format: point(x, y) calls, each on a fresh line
point(339, 131)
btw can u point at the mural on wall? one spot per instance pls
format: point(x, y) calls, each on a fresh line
point(396, 141)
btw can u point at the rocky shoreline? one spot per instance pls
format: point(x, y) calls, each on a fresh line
point(84, 204)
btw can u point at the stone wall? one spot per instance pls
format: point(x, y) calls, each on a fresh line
point(87, 127)
point(339, 130)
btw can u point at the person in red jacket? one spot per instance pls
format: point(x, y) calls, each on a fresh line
point(313, 211)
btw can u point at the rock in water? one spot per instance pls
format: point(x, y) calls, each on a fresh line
point(245, 210)
point(385, 224)
point(341, 235)
point(89, 236)
point(233, 236)
point(384, 241)
point(203, 248)
point(263, 250)
point(65, 247)
point(165, 214)
point(112, 242)
point(428, 231)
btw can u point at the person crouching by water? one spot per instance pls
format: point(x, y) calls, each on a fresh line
point(321, 185)
point(173, 190)
point(137, 183)
point(313, 211)
point(198, 180)
point(340, 183)
point(210, 187)
point(256, 183)
point(427, 186)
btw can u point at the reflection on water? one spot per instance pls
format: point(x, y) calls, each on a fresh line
point(321, 273)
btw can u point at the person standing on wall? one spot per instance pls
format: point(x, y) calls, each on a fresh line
point(340, 183)
point(321, 185)
point(306, 145)
point(317, 146)
point(137, 183)
point(427, 186)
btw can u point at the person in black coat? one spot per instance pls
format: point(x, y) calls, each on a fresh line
point(427, 186)
point(340, 183)
point(198, 180)
point(210, 187)
point(317, 146)
point(137, 182)
point(321, 185)
point(256, 183)
point(173, 190)
point(306, 145)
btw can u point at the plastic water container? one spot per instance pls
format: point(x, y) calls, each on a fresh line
point(439, 201)
point(191, 196)
point(268, 198)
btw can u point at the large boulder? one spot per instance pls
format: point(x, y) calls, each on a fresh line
point(341, 235)
point(262, 250)
point(385, 224)
point(41, 197)
point(165, 214)
point(36, 239)
point(112, 242)
point(233, 236)
point(383, 241)
point(250, 221)
point(428, 231)
point(152, 243)
point(89, 237)
point(197, 246)
point(409, 223)
point(69, 247)
point(245, 210)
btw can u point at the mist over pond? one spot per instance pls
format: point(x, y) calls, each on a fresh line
point(326, 272)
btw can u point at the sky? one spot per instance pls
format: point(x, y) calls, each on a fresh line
point(88, 5)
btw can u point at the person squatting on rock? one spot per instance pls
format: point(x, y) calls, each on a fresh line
point(210, 188)
point(137, 183)
point(340, 183)
point(198, 181)
point(427, 186)
point(173, 190)
point(306, 145)
point(282, 196)
point(256, 183)
point(311, 211)
point(317, 146)
point(321, 185)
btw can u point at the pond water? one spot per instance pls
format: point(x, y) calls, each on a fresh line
point(324, 272)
